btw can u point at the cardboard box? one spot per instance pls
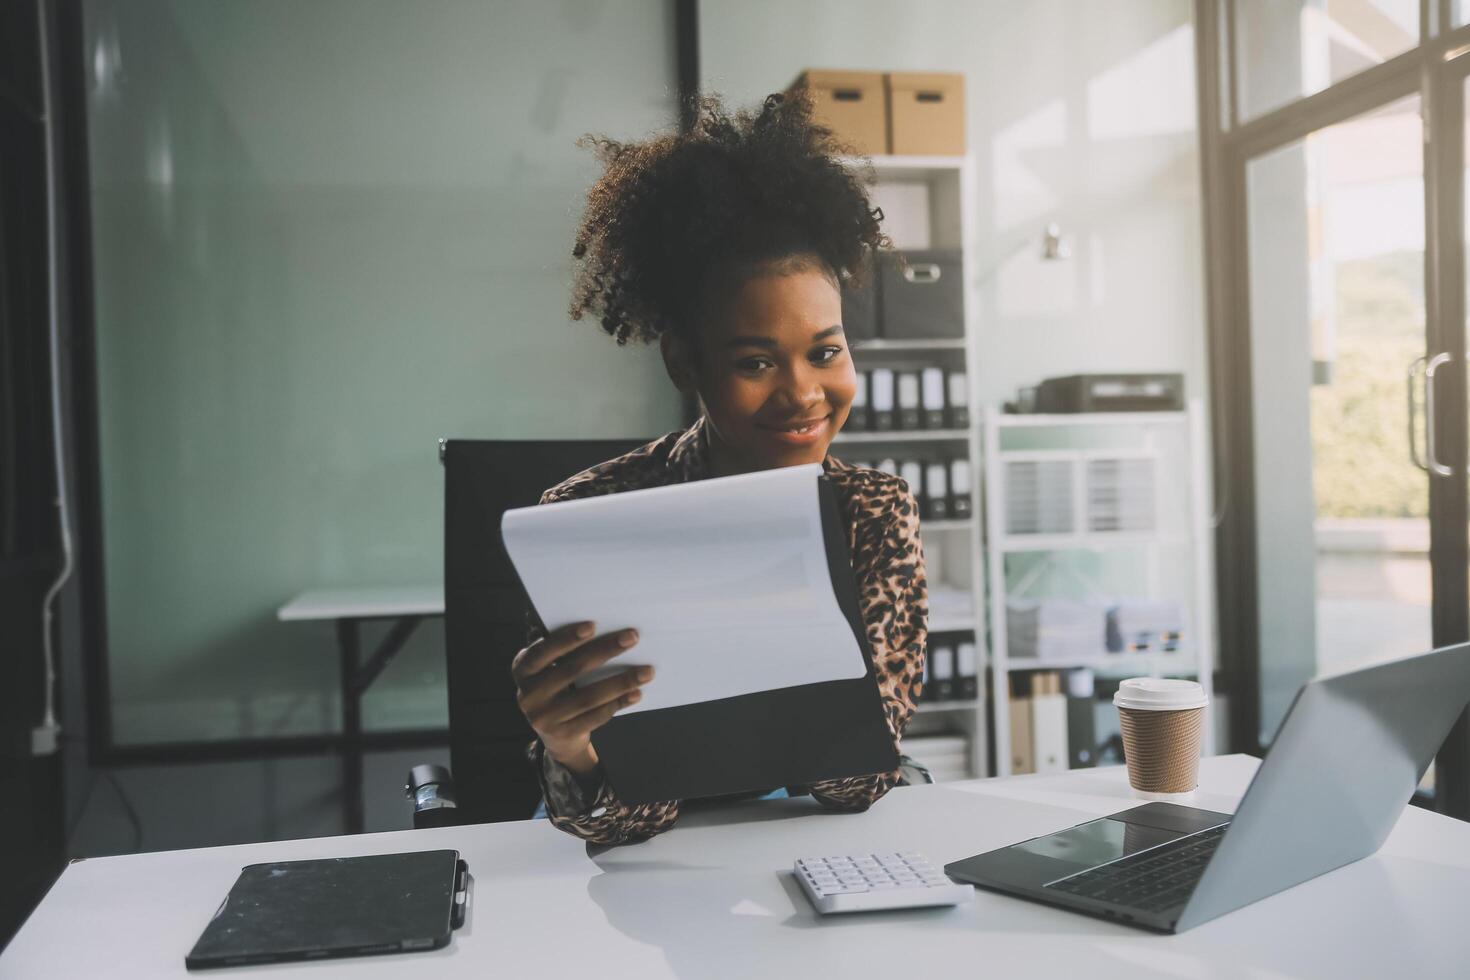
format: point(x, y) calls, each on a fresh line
point(851, 104)
point(926, 113)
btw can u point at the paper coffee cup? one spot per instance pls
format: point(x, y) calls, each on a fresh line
point(1163, 720)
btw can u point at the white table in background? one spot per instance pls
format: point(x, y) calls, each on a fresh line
point(407, 606)
point(715, 898)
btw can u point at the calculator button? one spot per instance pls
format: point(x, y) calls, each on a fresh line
point(868, 882)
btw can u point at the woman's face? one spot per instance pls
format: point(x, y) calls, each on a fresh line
point(772, 370)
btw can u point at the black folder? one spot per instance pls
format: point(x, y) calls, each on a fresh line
point(333, 907)
point(787, 737)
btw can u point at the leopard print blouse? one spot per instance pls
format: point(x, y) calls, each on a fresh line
point(882, 521)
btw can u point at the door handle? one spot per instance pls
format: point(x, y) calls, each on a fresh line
point(1435, 466)
point(922, 272)
point(1414, 366)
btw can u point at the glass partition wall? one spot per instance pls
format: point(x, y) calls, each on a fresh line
point(324, 237)
point(1333, 135)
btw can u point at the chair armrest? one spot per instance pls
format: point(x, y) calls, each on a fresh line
point(912, 772)
point(430, 789)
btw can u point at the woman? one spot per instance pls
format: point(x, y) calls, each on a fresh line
point(726, 245)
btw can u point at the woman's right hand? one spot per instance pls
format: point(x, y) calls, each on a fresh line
point(565, 717)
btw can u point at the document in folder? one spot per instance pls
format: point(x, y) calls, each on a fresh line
point(726, 580)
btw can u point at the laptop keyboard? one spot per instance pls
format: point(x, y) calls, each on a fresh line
point(1152, 880)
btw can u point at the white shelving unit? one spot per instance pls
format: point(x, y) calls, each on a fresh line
point(1181, 533)
point(930, 202)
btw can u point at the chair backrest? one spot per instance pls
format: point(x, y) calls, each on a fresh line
point(485, 611)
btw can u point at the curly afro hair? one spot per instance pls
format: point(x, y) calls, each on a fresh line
point(676, 217)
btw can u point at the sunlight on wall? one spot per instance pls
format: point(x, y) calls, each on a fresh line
point(1151, 92)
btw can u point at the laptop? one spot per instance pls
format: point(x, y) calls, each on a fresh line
point(1345, 762)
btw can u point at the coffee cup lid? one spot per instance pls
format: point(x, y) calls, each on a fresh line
point(1159, 694)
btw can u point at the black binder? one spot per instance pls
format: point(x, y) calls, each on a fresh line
point(788, 737)
point(333, 907)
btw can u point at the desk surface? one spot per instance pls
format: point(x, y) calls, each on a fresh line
point(365, 603)
point(714, 898)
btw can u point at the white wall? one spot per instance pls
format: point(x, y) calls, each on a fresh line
point(1078, 112)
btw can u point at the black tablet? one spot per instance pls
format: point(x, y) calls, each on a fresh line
point(357, 906)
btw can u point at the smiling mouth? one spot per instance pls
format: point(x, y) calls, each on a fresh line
point(799, 428)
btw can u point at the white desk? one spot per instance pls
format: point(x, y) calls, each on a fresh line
point(383, 602)
point(713, 898)
point(407, 606)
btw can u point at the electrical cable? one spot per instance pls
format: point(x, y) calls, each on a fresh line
point(68, 556)
point(54, 289)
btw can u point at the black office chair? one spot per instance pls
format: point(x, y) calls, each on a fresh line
point(485, 625)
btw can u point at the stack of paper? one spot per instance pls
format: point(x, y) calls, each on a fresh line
point(726, 581)
point(948, 604)
point(1054, 629)
point(1145, 625)
point(947, 757)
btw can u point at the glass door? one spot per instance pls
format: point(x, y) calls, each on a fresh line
point(1342, 373)
point(1335, 180)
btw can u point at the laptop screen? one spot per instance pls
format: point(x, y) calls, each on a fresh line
point(1098, 842)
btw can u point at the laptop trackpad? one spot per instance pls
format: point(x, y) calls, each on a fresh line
point(1097, 842)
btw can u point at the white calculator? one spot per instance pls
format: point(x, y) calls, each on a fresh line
point(867, 882)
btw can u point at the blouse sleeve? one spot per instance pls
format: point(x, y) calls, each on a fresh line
point(888, 562)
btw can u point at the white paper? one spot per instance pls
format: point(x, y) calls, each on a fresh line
point(726, 581)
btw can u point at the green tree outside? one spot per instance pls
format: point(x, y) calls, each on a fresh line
point(1360, 419)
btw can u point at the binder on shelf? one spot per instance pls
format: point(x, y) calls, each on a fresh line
point(912, 472)
point(1081, 732)
point(942, 673)
point(1021, 753)
point(959, 488)
point(909, 415)
point(936, 492)
point(858, 414)
point(880, 399)
point(931, 382)
point(1048, 724)
point(967, 677)
point(959, 400)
